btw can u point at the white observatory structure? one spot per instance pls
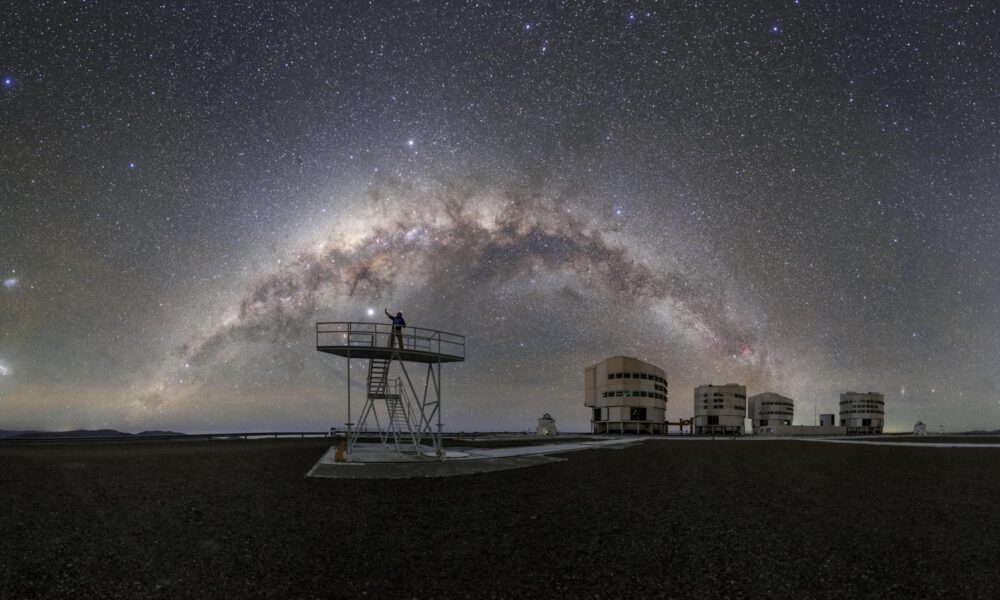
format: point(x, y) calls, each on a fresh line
point(546, 426)
point(720, 409)
point(769, 410)
point(626, 395)
point(862, 413)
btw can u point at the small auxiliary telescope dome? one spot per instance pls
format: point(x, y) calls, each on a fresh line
point(546, 426)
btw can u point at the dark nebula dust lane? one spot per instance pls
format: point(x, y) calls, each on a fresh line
point(799, 197)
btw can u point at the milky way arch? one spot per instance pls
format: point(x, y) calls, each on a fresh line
point(440, 241)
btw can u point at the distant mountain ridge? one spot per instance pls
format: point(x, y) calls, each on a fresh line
point(80, 433)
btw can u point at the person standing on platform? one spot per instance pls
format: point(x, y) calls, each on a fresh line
point(397, 328)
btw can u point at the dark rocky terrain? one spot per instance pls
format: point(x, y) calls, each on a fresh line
point(675, 518)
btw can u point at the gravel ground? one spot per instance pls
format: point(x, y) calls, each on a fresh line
point(704, 519)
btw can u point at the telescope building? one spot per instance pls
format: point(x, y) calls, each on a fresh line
point(862, 413)
point(720, 409)
point(769, 410)
point(626, 395)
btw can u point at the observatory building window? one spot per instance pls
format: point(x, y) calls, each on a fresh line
point(597, 414)
point(637, 414)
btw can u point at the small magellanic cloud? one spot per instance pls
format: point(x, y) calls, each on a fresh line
point(10, 283)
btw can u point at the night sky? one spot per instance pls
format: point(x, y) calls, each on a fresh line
point(799, 196)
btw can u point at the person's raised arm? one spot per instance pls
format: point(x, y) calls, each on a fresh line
point(387, 312)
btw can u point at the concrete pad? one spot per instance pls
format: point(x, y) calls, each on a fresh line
point(403, 470)
point(375, 461)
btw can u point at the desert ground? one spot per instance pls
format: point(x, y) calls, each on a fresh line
point(663, 518)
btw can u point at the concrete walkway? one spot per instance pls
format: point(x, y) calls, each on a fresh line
point(870, 442)
point(861, 440)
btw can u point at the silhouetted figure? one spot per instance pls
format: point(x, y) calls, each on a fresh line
point(398, 323)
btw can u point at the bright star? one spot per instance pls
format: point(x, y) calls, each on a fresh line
point(131, 165)
point(371, 312)
point(7, 81)
point(409, 143)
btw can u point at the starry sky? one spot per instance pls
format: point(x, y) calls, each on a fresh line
point(800, 196)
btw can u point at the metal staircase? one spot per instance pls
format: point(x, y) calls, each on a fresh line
point(399, 427)
point(378, 377)
point(399, 422)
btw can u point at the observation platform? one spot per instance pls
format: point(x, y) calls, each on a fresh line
point(371, 340)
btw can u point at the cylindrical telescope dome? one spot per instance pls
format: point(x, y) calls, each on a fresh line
point(862, 413)
point(720, 409)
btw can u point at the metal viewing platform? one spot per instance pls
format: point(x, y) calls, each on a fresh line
point(400, 414)
point(371, 340)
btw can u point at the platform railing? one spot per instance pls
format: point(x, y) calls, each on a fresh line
point(347, 334)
